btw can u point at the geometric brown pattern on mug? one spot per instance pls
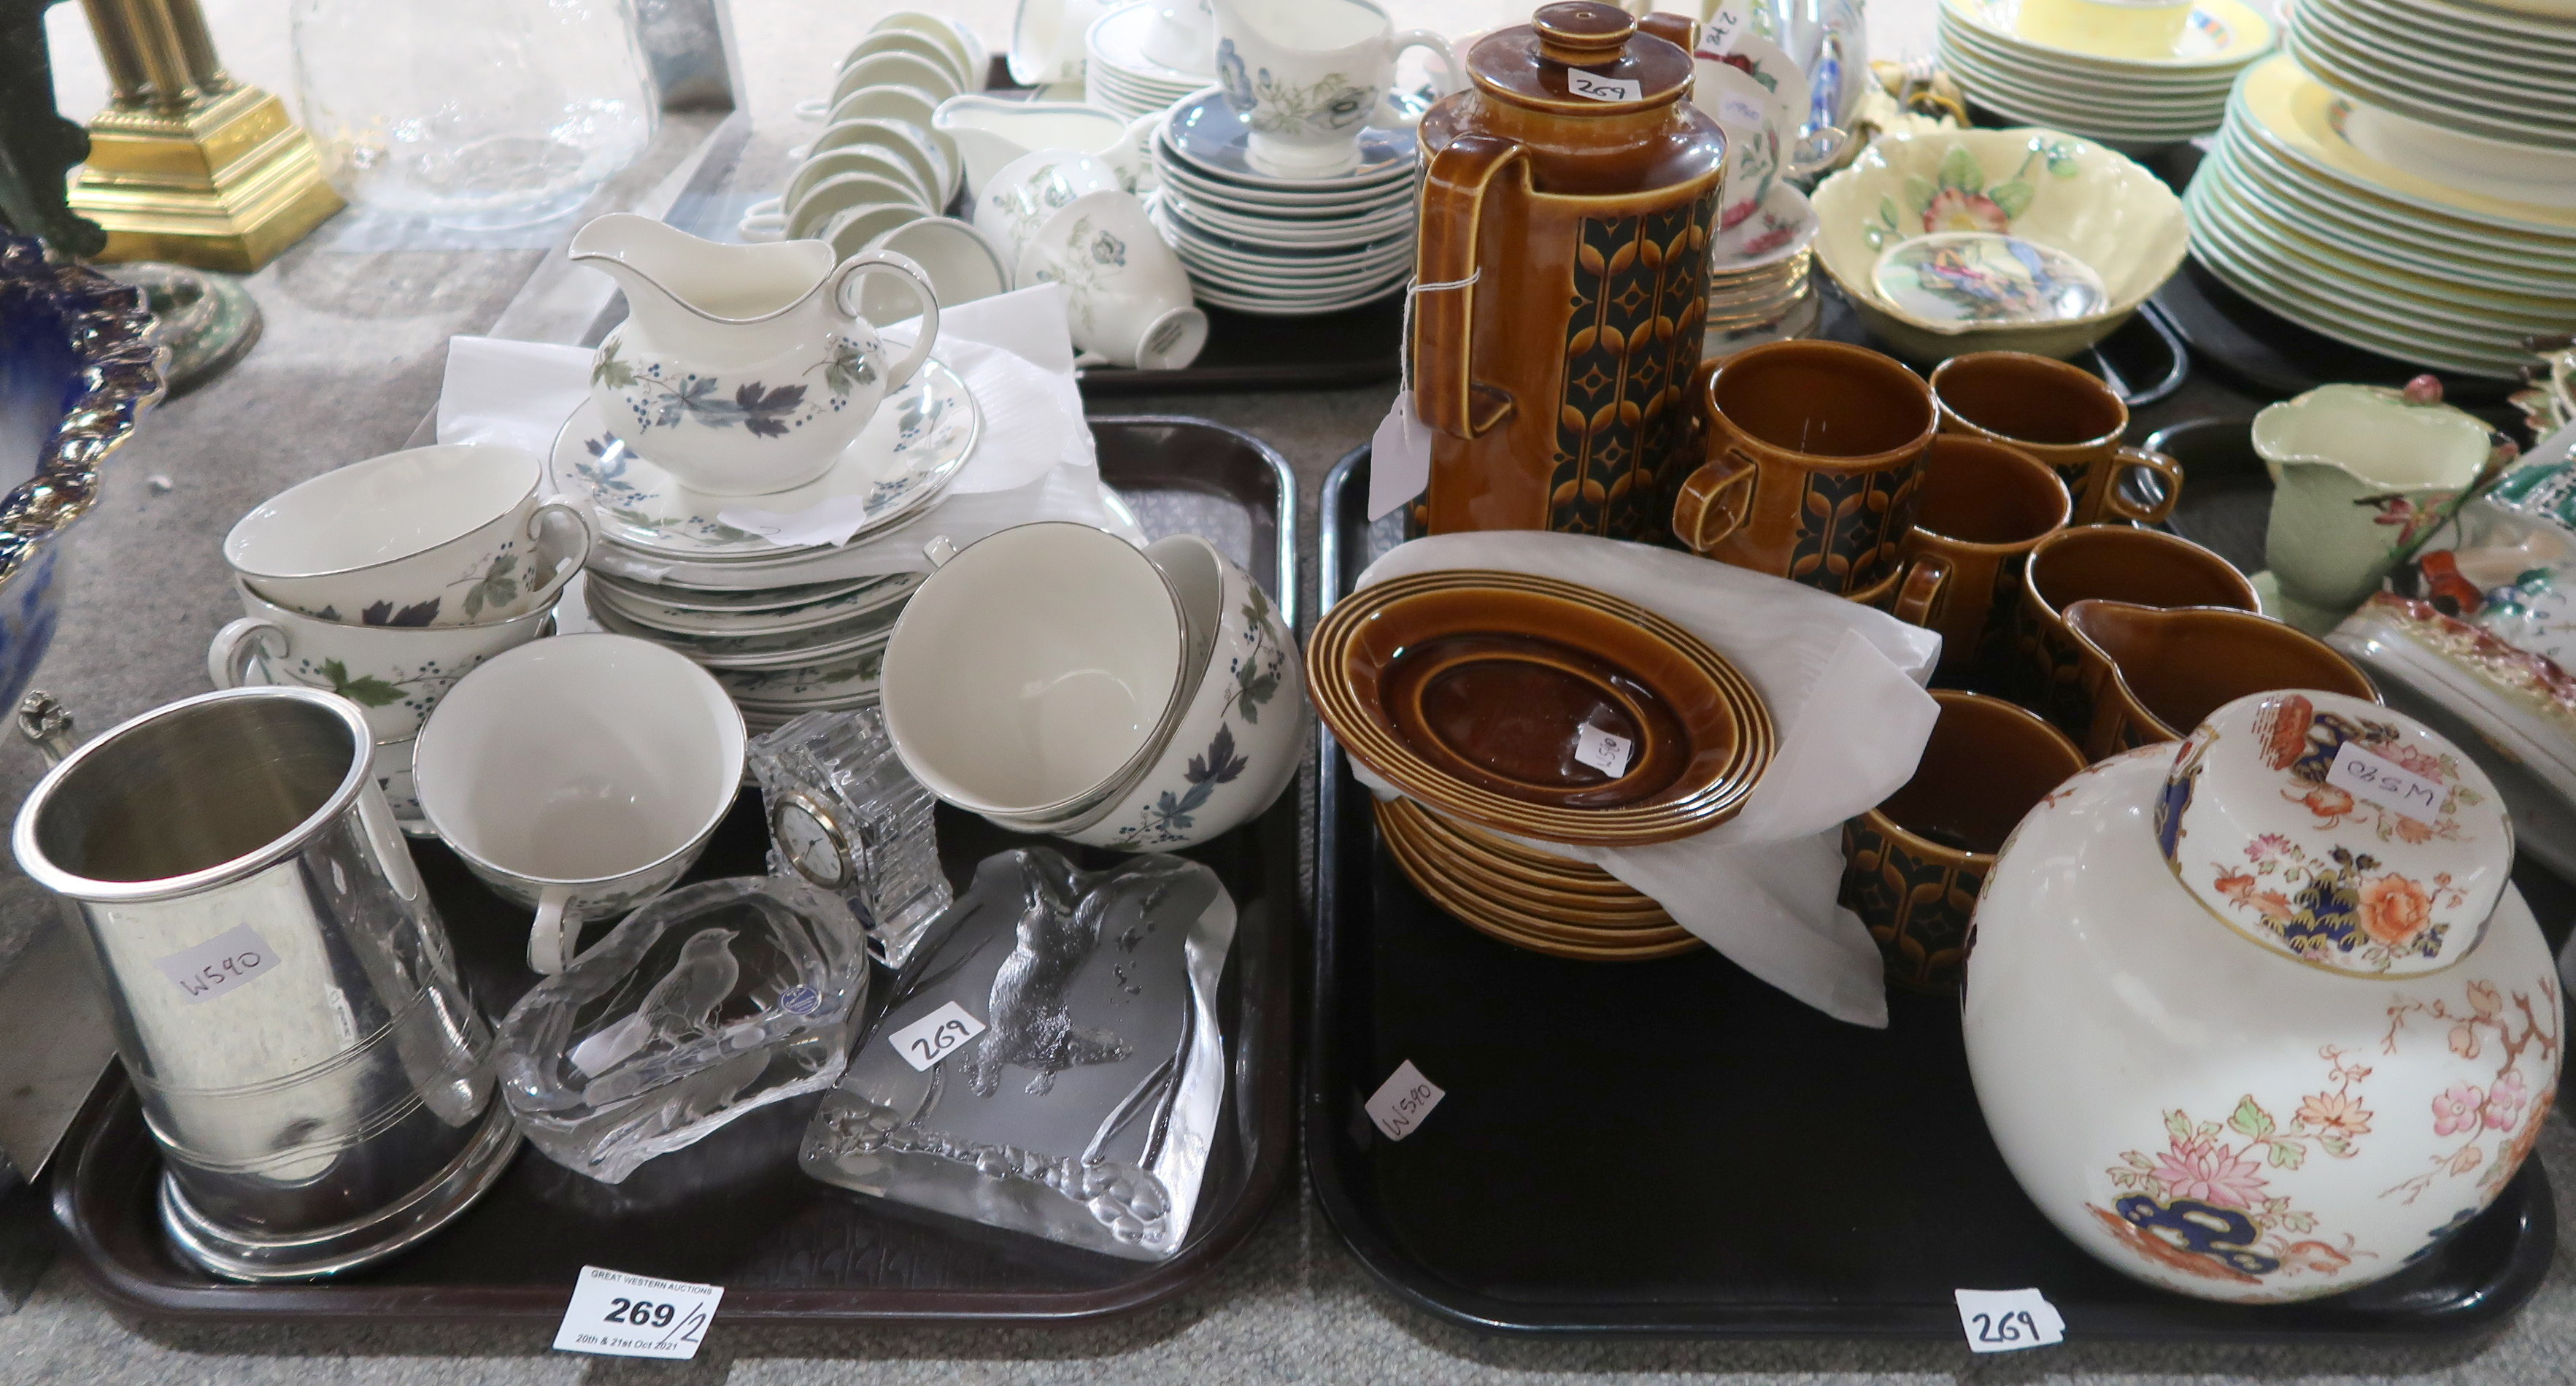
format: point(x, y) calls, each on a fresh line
point(1624, 435)
point(1850, 525)
point(1917, 908)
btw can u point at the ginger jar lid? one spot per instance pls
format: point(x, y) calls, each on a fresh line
point(2328, 828)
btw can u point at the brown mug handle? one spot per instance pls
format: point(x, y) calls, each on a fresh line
point(1445, 393)
point(1922, 586)
point(2166, 469)
point(1705, 499)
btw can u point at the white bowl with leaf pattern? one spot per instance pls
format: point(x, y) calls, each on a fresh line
point(395, 674)
point(2053, 190)
point(454, 535)
point(1241, 736)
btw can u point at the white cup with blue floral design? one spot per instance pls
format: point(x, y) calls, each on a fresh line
point(1307, 76)
point(395, 674)
point(456, 535)
point(1127, 295)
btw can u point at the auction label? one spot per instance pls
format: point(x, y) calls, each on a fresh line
point(1403, 1100)
point(2008, 1320)
point(619, 1315)
point(231, 959)
point(935, 1036)
point(1604, 751)
point(1583, 83)
point(2384, 782)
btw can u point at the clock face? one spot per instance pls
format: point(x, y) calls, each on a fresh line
point(810, 844)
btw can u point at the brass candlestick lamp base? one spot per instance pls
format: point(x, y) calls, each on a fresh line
point(188, 165)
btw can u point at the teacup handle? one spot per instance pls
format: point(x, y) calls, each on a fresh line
point(1704, 514)
point(2165, 468)
point(765, 220)
point(238, 645)
point(845, 286)
point(550, 937)
point(813, 108)
point(1135, 161)
point(1438, 46)
point(1815, 151)
point(571, 510)
point(1921, 588)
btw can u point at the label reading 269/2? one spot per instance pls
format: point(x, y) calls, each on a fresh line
point(230, 959)
point(621, 1315)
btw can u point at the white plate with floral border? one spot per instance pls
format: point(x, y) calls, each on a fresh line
point(805, 685)
point(914, 445)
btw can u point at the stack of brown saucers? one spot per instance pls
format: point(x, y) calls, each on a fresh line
point(1515, 711)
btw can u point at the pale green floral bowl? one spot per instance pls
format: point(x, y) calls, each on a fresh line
point(2055, 190)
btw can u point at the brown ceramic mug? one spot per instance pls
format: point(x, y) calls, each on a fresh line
point(2117, 563)
point(1913, 865)
point(2061, 414)
point(1813, 453)
point(2153, 674)
point(1979, 511)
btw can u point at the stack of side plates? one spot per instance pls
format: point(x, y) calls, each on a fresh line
point(2292, 212)
point(780, 652)
point(1123, 77)
point(1484, 797)
point(1525, 897)
point(1281, 247)
point(787, 628)
point(2134, 102)
point(2475, 69)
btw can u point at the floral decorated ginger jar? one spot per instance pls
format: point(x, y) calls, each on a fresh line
point(2259, 1017)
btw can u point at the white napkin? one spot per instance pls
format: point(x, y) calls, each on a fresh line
point(1843, 683)
point(1014, 351)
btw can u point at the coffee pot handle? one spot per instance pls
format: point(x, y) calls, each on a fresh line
point(1715, 499)
point(845, 283)
point(2167, 471)
point(1445, 393)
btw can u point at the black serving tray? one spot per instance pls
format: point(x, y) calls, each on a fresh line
point(2275, 358)
point(2145, 361)
point(734, 1209)
point(1675, 1149)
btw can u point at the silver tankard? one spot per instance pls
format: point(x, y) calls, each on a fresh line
point(286, 1003)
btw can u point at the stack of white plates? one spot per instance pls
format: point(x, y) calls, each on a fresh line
point(787, 628)
point(2293, 211)
point(2133, 102)
point(2481, 70)
point(1122, 77)
point(1281, 247)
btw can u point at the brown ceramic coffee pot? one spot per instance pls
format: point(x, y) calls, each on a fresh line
point(1577, 186)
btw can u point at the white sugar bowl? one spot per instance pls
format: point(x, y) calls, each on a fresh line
point(2259, 1017)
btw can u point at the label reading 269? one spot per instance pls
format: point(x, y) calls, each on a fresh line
point(935, 1036)
point(1583, 83)
point(2385, 783)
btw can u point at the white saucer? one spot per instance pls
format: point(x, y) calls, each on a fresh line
point(910, 449)
point(1207, 133)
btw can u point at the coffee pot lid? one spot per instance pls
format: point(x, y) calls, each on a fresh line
point(1586, 57)
point(2333, 830)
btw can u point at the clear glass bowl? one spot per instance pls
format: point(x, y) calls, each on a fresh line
point(473, 113)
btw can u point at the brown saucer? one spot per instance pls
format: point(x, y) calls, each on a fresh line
point(1507, 921)
point(1467, 690)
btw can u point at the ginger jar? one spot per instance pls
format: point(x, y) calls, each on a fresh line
point(2258, 1017)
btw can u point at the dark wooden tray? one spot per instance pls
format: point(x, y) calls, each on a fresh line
point(734, 1209)
point(1676, 1149)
